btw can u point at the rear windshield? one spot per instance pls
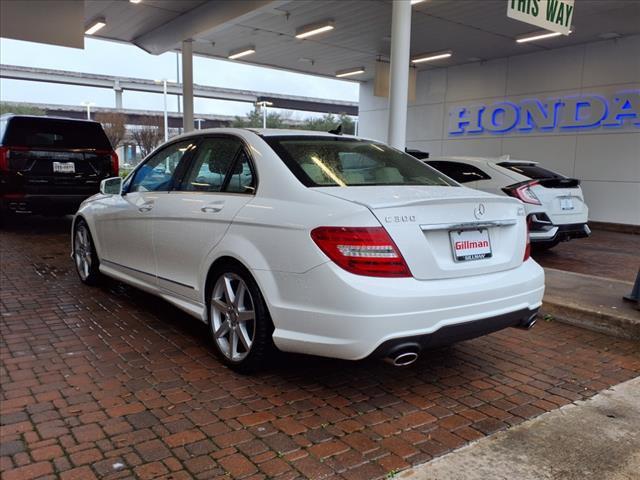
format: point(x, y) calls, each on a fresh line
point(55, 133)
point(460, 172)
point(349, 162)
point(530, 170)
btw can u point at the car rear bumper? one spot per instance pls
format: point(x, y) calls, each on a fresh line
point(41, 204)
point(330, 312)
point(559, 233)
point(457, 332)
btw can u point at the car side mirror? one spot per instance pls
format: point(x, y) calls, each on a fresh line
point(111, 186)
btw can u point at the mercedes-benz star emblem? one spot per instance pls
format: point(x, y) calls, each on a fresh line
point(479, 211)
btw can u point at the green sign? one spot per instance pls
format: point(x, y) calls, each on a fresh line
point(554, 15)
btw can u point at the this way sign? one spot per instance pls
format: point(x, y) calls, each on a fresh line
point(554, 15)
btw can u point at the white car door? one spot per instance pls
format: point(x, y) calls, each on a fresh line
point(192, 219)
point(125, 229)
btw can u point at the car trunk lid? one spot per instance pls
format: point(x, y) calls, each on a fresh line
point(425, 221)
point(49, 167)
point(564, 204)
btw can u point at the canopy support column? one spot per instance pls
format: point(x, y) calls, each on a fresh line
point(399, 73)
point(187, 85)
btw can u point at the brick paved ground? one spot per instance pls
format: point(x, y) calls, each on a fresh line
point(112, 383)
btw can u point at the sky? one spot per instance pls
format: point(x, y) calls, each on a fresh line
point(111, 58)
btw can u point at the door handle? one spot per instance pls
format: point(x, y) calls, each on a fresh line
point(145, 207)
point(212, 208)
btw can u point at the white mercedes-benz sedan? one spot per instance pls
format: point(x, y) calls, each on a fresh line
point(313, 243)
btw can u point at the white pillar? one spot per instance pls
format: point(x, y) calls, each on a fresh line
point(399, 73)
point(166, 117)
point(187, 85)
point(118, 89)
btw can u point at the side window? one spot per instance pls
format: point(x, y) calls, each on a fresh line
point(241, 179)
point(460, 172)
point(158, 173)
point(211, 165)
point(3, 127)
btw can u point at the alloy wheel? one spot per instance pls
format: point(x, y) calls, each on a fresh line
point(82, 252)
point(233, 317)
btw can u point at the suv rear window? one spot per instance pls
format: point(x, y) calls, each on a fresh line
point(460, 172)
point(42, 132)
point(530, 170)
point(348, 162)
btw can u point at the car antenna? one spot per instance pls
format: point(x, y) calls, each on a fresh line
point(337, 131)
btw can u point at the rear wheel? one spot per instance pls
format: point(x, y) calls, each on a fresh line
point(240, 324)
point(84, 254)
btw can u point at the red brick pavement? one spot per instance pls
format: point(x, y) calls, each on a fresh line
point(112, 383)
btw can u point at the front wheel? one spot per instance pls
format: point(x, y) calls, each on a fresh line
point(240, 324)
point(84, 254)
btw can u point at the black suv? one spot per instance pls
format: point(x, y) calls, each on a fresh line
point(50, 165)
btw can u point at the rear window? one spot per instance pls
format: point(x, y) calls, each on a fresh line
point(530, 170)
point(460, 172)
point(42, 132)
point(349, 162)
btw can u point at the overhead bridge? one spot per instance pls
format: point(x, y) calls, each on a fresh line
point(119, 84)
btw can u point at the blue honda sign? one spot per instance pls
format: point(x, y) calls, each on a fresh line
point(565, 113)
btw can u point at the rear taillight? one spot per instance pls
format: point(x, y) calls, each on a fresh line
point(114, 164)
point(527, 247)
point(522, 191)
point(365, 251)
point(4, 159)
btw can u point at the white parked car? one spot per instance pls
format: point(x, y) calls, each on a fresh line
point(313, 243)
point(554, 203)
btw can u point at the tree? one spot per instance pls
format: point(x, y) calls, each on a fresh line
point(254, 119)
point(148, 134)
point(18, 109)
point(114, 125)
point(329, 122)
point(325, 123)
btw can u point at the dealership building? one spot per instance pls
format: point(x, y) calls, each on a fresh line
point(574, 109)
point(449, 77)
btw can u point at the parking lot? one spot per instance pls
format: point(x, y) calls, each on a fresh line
point(110, 382)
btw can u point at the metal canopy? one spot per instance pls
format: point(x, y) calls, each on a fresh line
point(474, 29)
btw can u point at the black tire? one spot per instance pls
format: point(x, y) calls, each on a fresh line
point(89, 275)
point(258, 356)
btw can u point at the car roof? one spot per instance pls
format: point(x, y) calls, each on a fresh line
point(284, 132)
point(7, 116)
point(268, 132)
point(485, 160)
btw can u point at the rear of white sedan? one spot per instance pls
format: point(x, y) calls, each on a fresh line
point(433, 263)
point(312, 243)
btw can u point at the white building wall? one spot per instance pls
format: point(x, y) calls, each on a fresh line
point(606, 160)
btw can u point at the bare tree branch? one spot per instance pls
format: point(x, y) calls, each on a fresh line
point(148, 134)
point(114, 125)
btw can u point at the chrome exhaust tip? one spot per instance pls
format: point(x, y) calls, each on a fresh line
point(403, 359)
point(528, 325)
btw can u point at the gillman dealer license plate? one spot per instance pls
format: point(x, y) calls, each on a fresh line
point(470, 244)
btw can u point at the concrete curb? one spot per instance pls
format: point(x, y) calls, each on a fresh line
point(589, 302)
point(592, 439)
point(598, 321)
